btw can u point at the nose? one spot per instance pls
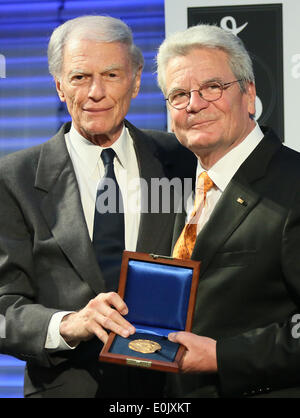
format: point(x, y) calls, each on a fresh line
point(197, 103)
point(97, 89)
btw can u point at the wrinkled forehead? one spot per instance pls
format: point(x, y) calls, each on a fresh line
point(86, 52)
point(199, 64)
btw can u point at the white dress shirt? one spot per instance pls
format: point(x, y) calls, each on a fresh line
point(222, 172)
point(89, 169)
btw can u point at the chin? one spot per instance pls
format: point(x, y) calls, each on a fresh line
point(95, 128)
point(201, 142)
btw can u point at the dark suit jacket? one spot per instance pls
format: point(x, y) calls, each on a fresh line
point(249, 286)
point(47, 263)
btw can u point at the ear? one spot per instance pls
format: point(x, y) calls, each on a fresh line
point(59, 90)
point(251, 95)
point(137, 82)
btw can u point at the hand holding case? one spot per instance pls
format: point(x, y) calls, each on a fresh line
point(160, 293)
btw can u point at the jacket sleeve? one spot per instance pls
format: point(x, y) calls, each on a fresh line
point(24, 322)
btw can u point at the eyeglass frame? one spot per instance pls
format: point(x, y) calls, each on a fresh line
point(223, 86)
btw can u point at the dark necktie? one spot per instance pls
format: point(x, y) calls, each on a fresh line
point(108, 235)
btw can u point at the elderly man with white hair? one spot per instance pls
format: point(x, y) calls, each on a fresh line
point(61, 247)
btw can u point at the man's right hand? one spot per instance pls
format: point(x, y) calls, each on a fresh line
point(103, 313)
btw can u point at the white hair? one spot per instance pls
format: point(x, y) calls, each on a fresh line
point(96, 28)
point(205, 36)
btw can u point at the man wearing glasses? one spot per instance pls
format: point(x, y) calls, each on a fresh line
point(243, 224)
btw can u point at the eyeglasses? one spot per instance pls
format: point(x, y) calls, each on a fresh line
point(210, 92)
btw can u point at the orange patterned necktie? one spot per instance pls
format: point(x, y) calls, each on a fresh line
point(186, 242)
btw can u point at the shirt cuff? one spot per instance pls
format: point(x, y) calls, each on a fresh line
point(54, 340)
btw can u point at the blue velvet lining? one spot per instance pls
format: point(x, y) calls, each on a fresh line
point(163, 332)
point(157, 296)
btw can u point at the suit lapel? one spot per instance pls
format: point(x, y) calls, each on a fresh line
point(62, 209)
point(236, 202)
point(233, 207)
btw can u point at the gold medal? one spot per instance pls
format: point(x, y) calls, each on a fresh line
point(144, 346)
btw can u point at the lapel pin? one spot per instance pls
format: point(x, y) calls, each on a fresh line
point(241, 201)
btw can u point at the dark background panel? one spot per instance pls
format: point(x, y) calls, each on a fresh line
point(260, 28)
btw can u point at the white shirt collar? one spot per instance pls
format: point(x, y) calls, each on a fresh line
point(89, 153)
point(223, 170)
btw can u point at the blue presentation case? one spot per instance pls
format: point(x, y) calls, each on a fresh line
point(160, 293)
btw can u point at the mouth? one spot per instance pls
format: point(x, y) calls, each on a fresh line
point(96, 110)
point(200, 124)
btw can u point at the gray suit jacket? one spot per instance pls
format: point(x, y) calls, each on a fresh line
point(47, 263)
point(249, 285)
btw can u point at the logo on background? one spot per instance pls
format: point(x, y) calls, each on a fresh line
point(296, 328)
point(229, 23)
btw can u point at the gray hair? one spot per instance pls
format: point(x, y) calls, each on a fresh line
point(206, 36)
point(96, 28)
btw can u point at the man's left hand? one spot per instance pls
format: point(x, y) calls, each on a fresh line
point(200, 355)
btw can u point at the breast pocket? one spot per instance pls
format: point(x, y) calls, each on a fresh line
point(233, 258)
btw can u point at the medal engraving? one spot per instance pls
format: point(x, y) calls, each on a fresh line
point(144, 346)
